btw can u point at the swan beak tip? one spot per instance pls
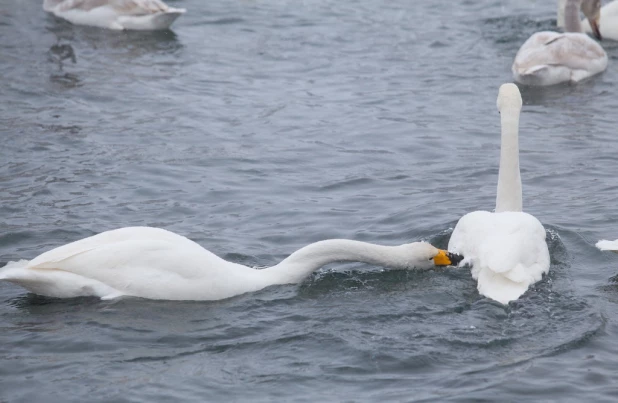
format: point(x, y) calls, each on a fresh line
point(446, 258)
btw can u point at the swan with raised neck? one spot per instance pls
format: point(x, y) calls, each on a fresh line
point(506, 249)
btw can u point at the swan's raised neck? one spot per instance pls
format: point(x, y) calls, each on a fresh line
point(304, 261)
point(571, 16)
point(568, 15)
point(509, 197)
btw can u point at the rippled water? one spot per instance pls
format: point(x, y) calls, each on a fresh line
point(257, 127)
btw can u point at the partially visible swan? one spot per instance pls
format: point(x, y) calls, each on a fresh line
point(507, 249)
point(115, 14)
point(158, 264)
point(608, 23)
point(549, 58)
point(611, 246)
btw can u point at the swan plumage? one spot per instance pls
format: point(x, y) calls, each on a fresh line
point(115, 14)
point(611, 246)
point(608, 21)
point(158, 264)
point(506, 248)
point(549, 58)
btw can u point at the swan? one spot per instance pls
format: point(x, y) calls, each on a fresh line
point(611, 246)
point(115, 14)
point(608, 22)
point(549, 58)
point(155, 263)
point(506, 248)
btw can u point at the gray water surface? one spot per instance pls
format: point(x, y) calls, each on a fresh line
point(256, 127)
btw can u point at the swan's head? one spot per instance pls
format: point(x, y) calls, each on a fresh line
point(422, 255)
point(509, 98)
point(592, 11)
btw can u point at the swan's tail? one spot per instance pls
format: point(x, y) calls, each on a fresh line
point(611, 246)
point(12, 270)
point(149, 22)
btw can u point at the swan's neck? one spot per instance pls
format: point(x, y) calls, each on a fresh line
point(571, 16)
point(304, 261)
point(509, 180)
point(560, 16)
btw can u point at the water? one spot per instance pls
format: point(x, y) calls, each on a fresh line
point(257, 127)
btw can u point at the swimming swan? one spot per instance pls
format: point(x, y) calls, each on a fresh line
point(608, 23)
point(549, 58)
point(115, 14)
point(506, 249)
point(158, 264)
point(611, 246)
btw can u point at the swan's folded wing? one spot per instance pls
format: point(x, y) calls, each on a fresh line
point(507, 250)
point(573, 50)
point(153, 268)
point(132, 7)
point(110, 238)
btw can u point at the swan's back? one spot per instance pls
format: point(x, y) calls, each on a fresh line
point(115, 14)
point(507, 251)
point(109, 238)
point(548, 58)
point(136, 261)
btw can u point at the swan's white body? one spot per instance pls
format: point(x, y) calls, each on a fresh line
point(549, 58)
point(608, 23)
point(158, 264)
point(115, 14)
point(611, 246)
point(506, 249)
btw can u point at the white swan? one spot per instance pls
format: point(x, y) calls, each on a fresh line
point(608, 22)
point(549, 58)
point(158, 264)
point(507, 249)
point(115, 14)
point(611, 246)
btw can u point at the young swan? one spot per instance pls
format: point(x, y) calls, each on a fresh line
point(549, 58)
point(507, 248)
point(158, 264)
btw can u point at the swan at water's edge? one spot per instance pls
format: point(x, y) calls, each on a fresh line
point(507, 248)
point(115, 14)
point(549, 58)
point(158, 264)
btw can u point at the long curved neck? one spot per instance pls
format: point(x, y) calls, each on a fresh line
point(304, 261)
point(571, 16)
point(509, 196)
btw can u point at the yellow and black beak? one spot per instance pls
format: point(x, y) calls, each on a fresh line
point(594, 24)
point(446, 258)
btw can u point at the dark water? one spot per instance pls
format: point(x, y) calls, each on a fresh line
point(257, 127)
